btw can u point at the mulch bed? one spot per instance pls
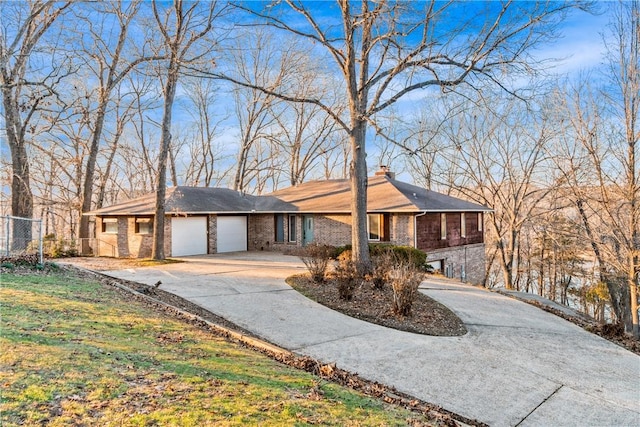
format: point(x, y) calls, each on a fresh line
point(428, 317)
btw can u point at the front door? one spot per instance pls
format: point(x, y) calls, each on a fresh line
point(307, 229)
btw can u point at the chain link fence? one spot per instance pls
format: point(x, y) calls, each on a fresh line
point(20, 236)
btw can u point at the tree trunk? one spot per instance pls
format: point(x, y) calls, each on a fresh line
point(616, 292)
point(358, 176)
point(87, 188)
point(633, 295)
point(165, 142)
point(21, 196)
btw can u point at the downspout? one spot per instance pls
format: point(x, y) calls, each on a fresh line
point(415, 229)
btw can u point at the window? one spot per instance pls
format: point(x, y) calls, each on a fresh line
point(292, 228)
point(443, 226)
point(479, 221)
point(463, 225)
point(279, 226)
point(144, 226)
point(373, 226)
point(110, 225)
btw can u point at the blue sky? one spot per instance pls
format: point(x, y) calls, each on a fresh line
point(580, 47)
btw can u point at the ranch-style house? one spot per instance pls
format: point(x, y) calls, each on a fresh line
point(203, 220)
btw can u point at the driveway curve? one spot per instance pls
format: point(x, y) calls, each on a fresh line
point(517, 365)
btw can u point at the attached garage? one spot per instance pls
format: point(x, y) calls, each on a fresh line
point(232, 233)
point(188, 235)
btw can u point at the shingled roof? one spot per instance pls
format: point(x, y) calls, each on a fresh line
point(384, 194)
point(185, 200)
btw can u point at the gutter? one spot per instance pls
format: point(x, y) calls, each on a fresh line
point(415, 228)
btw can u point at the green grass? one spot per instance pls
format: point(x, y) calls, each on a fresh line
point(76, 352)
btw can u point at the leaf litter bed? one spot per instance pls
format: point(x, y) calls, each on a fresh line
point(428, 317)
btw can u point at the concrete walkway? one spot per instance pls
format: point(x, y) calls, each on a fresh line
point(518, 365)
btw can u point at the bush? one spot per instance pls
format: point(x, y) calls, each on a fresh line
point(339, 250)
point(60, 248)
point(405, 279)
point(402, 253)
point(346, 276)
point(316, 257)
point(408, 254)
point(382, 264)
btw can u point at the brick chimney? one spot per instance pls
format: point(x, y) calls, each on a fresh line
point(384, 171)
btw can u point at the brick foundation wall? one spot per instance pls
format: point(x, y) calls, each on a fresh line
point(470, 259)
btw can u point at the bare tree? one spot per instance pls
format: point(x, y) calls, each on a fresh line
point(106, 57)
point(123, 116)
point(597, 161)
point(184, 29)
point(138, 160)
point(427, 149)
point(257, 59)
point(204, 151)
point(306, 135)
point(334, 164)
point(386, 50)
point(624, 58)
point(23, 94)
point(498, 159)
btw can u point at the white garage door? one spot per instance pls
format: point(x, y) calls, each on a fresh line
point(189, 236)
point(232, 233)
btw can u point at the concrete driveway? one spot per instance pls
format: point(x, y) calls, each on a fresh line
point(518, 365)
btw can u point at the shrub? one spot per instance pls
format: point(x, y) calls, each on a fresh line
point(60, 248)
point(409, 254)
point(382, 264)
point(339, 250)
point(316, 257)
point(405, 279)
point(404, 253)
point(346, 276)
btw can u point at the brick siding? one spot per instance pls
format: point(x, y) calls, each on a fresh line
point(127, 243)
point(212, 225)
point(262, 233)
point(332, 230)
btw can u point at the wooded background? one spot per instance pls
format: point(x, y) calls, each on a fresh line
point(106, 101)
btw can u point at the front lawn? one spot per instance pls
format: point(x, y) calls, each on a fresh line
point(77, 352)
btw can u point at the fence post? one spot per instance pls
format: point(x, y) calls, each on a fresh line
point(8, 252)
point(39, 222)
